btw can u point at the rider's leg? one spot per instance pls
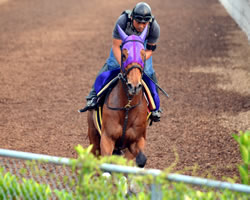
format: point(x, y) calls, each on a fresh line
point(149, 70)
point(153, 77)
point(156, 114)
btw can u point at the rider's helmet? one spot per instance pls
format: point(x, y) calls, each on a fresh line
point(142, 12)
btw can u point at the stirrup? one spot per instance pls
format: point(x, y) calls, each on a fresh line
point(91, 104)
point(155, 116)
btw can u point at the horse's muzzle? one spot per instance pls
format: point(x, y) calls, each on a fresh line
point(134, 90)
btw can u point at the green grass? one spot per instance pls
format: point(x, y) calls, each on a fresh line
point(92, 185)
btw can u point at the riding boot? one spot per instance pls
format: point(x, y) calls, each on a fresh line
point(156, 114)
point(92, 97)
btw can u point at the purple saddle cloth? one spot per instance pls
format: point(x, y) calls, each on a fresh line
point(105, 77)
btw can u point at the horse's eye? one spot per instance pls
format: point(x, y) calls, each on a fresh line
point(124, 58)
point(124, 55)
point(143, 54)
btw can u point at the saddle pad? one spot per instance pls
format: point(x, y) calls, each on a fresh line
point(149, 98)
point(98, 119)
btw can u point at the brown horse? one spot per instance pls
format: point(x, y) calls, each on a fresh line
point(124, 114)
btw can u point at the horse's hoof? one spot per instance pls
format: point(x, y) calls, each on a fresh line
point(141, 160)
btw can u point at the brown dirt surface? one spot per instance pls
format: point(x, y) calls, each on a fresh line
point(51, 51)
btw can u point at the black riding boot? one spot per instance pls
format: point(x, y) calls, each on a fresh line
point(92, 97)
point(156, 114)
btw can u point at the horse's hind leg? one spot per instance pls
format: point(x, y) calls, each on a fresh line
point(94, 136)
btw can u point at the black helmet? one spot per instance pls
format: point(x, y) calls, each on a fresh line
point(142, 12)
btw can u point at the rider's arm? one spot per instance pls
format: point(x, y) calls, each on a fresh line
point(149, 52)
point(153, 37)
point(116, 49)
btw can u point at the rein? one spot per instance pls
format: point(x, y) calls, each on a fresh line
point(126, 108)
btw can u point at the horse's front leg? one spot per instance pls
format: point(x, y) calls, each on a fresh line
point(107, 145)
point(136, 150)
point(93, 134)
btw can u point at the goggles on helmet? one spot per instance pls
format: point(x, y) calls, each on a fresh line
point(140, 18)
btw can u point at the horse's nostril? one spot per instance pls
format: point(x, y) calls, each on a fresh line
point(130, 86)
point(138, 88)
point(134, 89)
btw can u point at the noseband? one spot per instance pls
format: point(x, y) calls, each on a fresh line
point(126, 72)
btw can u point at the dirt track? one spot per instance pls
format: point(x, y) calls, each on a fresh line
point(50, 52)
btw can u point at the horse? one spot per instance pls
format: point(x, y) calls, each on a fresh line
point(124, 112)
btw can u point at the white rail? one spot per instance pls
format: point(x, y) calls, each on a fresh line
point(130, 170)
point(240, 12)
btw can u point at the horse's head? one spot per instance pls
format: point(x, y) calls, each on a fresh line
point(132, 60)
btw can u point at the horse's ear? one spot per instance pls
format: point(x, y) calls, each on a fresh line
point(122, 34)
point(144, 33)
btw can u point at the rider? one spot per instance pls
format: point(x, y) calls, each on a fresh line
point(132, 22)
